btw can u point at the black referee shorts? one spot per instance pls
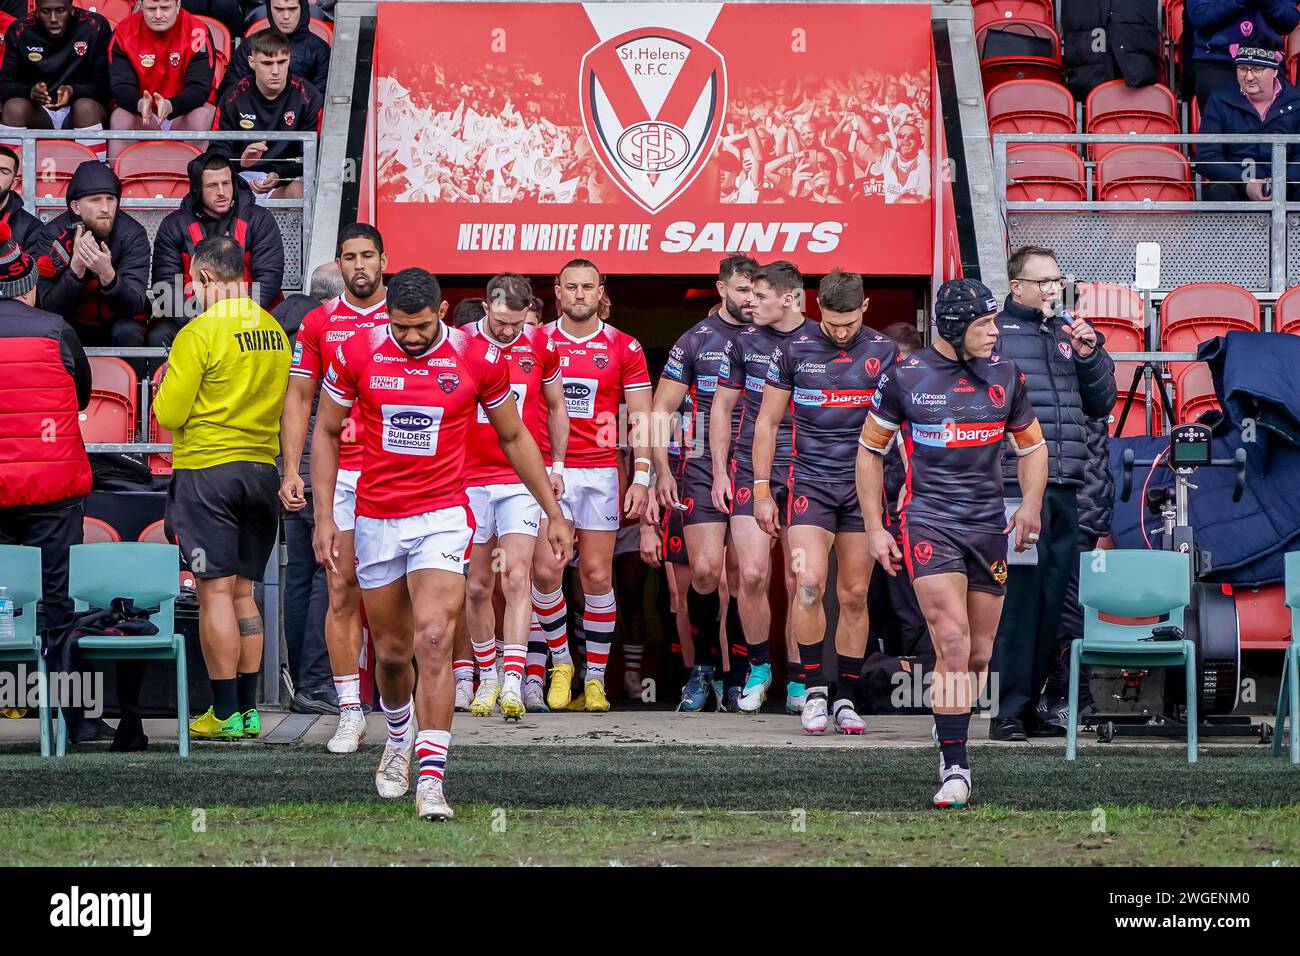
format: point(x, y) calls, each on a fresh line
point(225, 518)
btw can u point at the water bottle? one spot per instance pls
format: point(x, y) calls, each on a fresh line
point(6, 615)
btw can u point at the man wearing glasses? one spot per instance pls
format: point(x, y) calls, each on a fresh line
point(1260, 101)
point(1070, 379)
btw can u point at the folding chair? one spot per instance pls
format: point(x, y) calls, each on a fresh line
point(1288, 693)
point(20, 572)
point(1132, 584)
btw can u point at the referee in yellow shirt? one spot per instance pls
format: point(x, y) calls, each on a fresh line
point(221, 398)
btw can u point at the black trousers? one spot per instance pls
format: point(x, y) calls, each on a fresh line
point(1057, 687)
point(1210, 75)
point(1028, 634)
point(54, 528)
point(306, 601)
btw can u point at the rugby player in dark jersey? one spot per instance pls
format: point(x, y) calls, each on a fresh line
point(954, 404)
point(778, 315)
point(691, 375)
point(827, 373)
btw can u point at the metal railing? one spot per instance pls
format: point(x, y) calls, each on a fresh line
point(1276, 206)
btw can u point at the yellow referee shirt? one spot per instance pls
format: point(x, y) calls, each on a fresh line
point(224, 388)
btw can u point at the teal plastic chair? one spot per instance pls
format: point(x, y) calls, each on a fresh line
point(1132, 584)
point(20, 572)
point(149, 574)
point(1288, 693)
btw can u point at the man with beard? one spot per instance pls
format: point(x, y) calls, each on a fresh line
point(94, 262)
point(56, 73)
point(601, 366)
point(274, 100)
point(417, 386)
point(361, 308)
point(219, 203)
point(692, 370)
point(23, 226)
point(906, 169)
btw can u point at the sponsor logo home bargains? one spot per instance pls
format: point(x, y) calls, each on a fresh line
point(834, 398)
point(958, 435)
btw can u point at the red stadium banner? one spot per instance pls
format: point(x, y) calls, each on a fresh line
point(654, 138)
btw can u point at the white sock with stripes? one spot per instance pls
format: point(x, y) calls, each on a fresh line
point(598, 619)
point(431, 748)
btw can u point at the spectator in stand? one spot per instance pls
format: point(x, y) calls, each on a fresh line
point(24, 226)
point(272, 99)
point(1260, 101)
point(56, 73)
point(1221, 26)
point(44, 472)
point(1132, 51)
point(219, 203)
point(306, 595)
point(309, 55)
point(161, 69)
point(94, 262)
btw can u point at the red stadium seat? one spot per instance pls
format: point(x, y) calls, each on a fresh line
point(1193, 313)
point(222, 46)
point(999, 69)
point(1114, 307)
point(94, 531)
point(1292, 53)
point(1045, 173)
point(1263, 619)
point(1286, 312)
point(57, 160)
point(1148, 173)
point(1194, 391)
point(114, 11)
point(1031, 106)
point(160, 463)
point(110, 416)
point(1174, 26)
point(156, 534)
point(1114, 108)
point(992, 12)
point(155, 169)
point(1137, 415)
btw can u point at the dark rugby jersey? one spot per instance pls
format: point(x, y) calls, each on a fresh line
point(831, 388)
point(957, 422)
point(297, 109)
point(696, 362)
point(78, 58)
point(744, 368)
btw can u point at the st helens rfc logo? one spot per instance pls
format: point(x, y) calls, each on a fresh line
point(652, 101)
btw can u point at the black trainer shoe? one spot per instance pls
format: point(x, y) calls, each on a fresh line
point(1007, 729)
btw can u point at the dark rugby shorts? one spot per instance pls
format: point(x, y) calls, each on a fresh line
point(224, 518)
point(929, 548)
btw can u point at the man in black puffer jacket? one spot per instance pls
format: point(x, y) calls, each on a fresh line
point(1132, 49)
point(1070, 379)
point(219, 204)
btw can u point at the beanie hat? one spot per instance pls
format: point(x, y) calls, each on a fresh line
point(92, 178)
point(17, 270)
point(1257, 55)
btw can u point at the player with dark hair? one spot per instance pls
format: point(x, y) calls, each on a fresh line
point(690, 380)
point(507, 519)
point(359, 310)
point(55, 75)
point(961, 401)
point(468, 312)
point(600, 365)
point(777, 316)
point(827, 373)
point(417, 387)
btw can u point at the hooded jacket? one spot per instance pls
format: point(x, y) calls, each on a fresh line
point(78, 58)
point(1133, 49)
point(170, 64)
point(1065, 390)
point(82, 300)
point(250, 225)
point(309, 55)
point(1228, 111)
point(1220, 25)
point(47, 380)
point(25, 227)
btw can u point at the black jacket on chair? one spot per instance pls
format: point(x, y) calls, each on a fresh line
point(1130, 43)
point(1097, 496)
point(1065, 390)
